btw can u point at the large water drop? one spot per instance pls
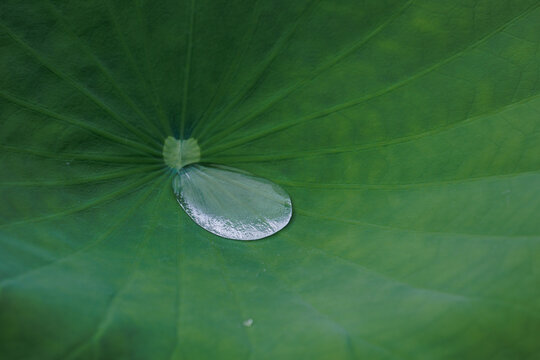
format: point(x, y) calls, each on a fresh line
point(230, 203)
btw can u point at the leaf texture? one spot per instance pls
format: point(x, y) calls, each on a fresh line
point(407, 134)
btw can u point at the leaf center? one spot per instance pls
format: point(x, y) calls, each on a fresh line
point(179, 153)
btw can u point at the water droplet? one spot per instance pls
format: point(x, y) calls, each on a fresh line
point(230, 203)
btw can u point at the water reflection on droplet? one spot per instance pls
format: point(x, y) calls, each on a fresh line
point(232, 204)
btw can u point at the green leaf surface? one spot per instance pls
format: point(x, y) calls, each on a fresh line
point(407, 134)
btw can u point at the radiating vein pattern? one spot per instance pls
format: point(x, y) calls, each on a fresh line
point(406, 133)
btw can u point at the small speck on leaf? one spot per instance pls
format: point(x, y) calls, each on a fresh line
point(248, 322)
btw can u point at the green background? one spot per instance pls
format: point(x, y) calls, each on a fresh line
point(406, 132)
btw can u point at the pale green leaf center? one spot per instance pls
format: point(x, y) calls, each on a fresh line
point(179, 153)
